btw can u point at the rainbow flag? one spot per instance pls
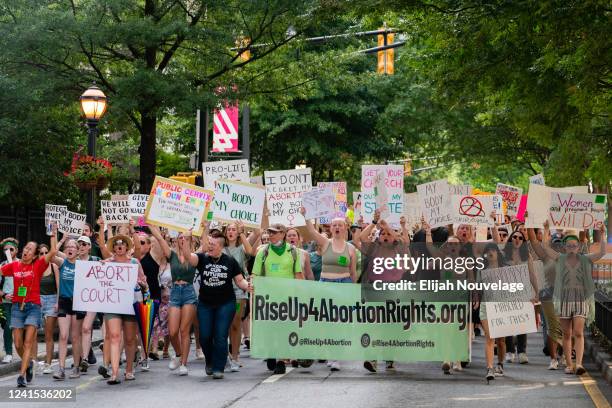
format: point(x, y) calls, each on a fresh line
point(145, 316)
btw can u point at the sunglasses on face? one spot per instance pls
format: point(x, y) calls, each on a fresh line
point(503, 235)
point(43, 252)
point(518, 237)
point(572, 246)
point(83, 243)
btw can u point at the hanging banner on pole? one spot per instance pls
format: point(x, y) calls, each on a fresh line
point(284, 190)
point(225, 129)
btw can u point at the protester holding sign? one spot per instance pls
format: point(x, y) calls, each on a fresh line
point(9, 246)
point(217, 300)
point(573, 294)
point(183, 301)
point(25, 312)
point(118, 324)
point(49, 284)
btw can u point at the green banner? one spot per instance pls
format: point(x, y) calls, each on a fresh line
point(317, 320)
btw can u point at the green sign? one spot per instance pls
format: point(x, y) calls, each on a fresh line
point(323, 320)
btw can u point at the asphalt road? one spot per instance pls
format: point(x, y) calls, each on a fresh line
point(413, 384)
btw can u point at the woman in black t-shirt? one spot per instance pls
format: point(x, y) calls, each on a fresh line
point(217, 301)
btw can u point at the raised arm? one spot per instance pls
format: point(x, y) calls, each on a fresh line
point(405, 234)
point(602, 245)
point(101, 241)
point(535, 244)
point(433, 250)
point(321, 240)
point(494, 230)
point(185, 249)
point(136, 239)
point(550, 253)
point(165, 248)
point(248, 248)
point(53, 248)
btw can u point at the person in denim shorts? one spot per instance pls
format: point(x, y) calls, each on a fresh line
point(49, 283)
point(183, 301)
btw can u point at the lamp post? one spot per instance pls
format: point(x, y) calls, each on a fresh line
point(93, 107)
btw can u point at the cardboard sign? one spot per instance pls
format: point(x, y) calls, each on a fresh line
point(460, 189)
point(357, 206)
point(237, 201)
point(576, 211)
point(257, 180)
point(435, 203)
point(509, 313)
point(284, 191)
point(538, 202)
point(115, 211)
point(178, 206)
point(104, 287)
point(237, 170)
point(383, 187)
point(511, 196)
point(138, 205)
point(319, 203)
point(53, 213)
point(340, 201)
point(412, 209)
point(537, 179)
point(72, 224)
point(475, 210)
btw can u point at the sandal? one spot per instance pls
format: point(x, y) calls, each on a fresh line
point(569, 370)
point(113, 381)
point(580, 370)
point(129, 377)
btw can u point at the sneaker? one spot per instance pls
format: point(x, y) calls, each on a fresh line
point(21, 382)
point(60, 375)
point(271, 364)
point(370, 366)
point(390, 365)
point(208, 370)
point(91, 357)
point(580, 370)
point(335, 366)
point(509, 357)
point(554, 364)
point(227, 362)
point(144, 365)
point(183, 370)
point(217, 376)
point(154, 356)
point(446, 367)
point(234, 366)
point(7, 359)
point(47, 369)
point(499, 370)
point(523, 358)
point(490, 375)
point(199, 354)
point(305, 363)
point(76, 373)
point(174, 364)
point(247, 343)
point(280, 367)
point(129, 377)
point(84, 365)
point(103, 371)
point(329, 363)
point(30, 372)
point(457, 366)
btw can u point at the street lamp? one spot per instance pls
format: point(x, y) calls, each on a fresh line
point(93, 107)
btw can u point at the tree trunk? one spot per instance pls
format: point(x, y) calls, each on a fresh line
point(148, 141)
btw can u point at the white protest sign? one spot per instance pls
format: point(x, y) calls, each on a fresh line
point(319, 202)
point(412, 209)
point(356, 206)
point(72, 224)
point(138, 205)
point(435, 203)
point(104, 287)
point(237, 170)
point(340, 201)
point(511, 196)
point(380, 185)
point(460, 189)
point(238, 201)
point(538, 202)
point(576, 211)
point(509, 313)
point(115, 211)
point(537, 179)
point(177, 206)
point(284, 190)
point(53, 213)
point(474, 210)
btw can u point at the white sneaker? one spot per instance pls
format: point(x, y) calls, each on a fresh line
point(563, 362)
point(47, 369)
point(183, 370)
point(234, 366)
point(144, 365)
point(199, 354)
point(457, 366)
point(174, 364)
point(329, 363)
point(335, 366)
point(523, 358)
point(509, 357)
point(554, 365)
point(7, 359)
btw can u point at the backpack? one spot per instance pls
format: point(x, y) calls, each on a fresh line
point(266, 250)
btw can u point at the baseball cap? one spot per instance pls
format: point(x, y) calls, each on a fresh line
point(84, 239)
point(277, 227)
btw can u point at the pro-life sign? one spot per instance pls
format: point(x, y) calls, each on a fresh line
point(104, 287)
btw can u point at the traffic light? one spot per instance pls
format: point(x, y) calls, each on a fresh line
point(408, 167)
point(242, 42)
point(385, 57)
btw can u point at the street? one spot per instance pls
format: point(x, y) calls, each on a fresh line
point(415, 384)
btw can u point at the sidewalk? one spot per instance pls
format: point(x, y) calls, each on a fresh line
point(15, 365)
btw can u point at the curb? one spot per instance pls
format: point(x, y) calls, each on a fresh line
point(602, 360)
point(6, 369)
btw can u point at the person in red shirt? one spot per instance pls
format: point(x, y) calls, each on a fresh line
point(25, 312)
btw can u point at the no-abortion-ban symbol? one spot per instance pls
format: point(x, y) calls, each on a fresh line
point(471, 207)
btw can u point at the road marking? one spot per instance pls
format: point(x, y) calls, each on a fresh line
point(590, 385)
point(276, 377)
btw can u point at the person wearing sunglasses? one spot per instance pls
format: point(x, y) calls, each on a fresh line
point(573, 293)
point(9, 246)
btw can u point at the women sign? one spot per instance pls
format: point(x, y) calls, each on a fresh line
point(104, 287)
point(237, 201)
point(178, 206)
point(579, 211)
